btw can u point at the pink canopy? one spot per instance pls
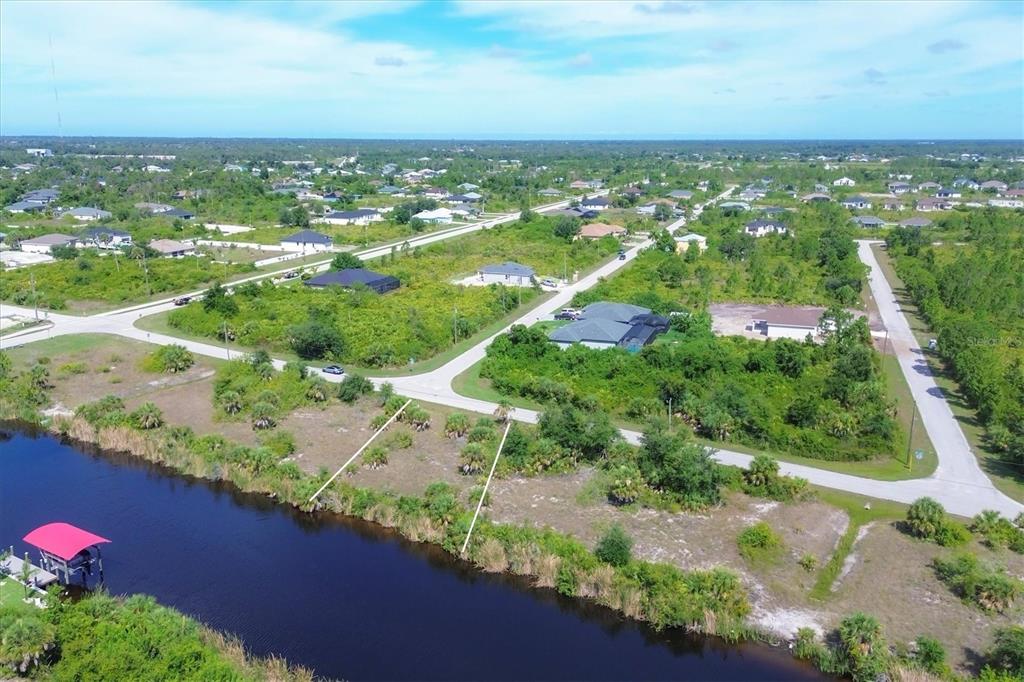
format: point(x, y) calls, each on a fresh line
point(62, 539)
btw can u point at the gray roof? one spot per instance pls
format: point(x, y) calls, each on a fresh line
point(96, 232)
point(46, 194)
point(856, 200)
point(89, 212)
point(50, 240)
point(594, 201)
point(868, 220)
point(917, 221)
point(507, 268)
point(308, 237)
point(349, 215)
point(594, 330)
point(617, 312)
point(178, 213)
point(680, 194)
point(25, 206)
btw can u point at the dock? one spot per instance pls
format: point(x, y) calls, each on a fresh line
point(38, 578)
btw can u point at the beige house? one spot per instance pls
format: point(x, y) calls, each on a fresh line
point(46, 243)
point(171, 248)
point(686, 242)
point(599, 230)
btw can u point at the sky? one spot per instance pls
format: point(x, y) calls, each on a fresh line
point(514, 69)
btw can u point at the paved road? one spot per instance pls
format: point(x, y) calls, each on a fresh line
point(958, 482)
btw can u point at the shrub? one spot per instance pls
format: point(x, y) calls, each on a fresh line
point(614, 547)
point(352, 387)
point(626, 485)
point(1007, 652)
point(930, 655)
point(376, 457)
point(171, 358)
point(808, 562)
point(759, 542)
point(456, 425)
point(27, 637)
point(69, 369)
point(984, 586)
point(281, 443)
point(147, 416)
point(263, 416)
point(472, 459)
point(863, 647)
point(401, 440)
point(925, 518)
point(314, 339)
point(998, 531)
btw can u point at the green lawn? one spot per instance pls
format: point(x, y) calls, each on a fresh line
point(59, 345)
point(1004, 476)
point(12, 593)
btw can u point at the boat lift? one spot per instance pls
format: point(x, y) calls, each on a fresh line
point(67, 549)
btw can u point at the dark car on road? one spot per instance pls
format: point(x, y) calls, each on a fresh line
point(622, 255)
point(291, 275)
point(333, 369)
point(183, 300)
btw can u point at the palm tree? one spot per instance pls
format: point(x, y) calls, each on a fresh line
point(40, 376)
point(472, 461)
point(316, 391)
point(263, 416)
point(231, 402)
point(148, 416)
point(503, 412)
point(416, 417)
point(456, 425)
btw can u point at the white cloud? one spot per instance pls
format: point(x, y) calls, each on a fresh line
point(582, 60)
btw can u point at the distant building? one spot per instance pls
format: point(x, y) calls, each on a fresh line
point(150, 207)
point(1006, 202)
point(857, 203)
point(172, 248)
point(734, 206)
point(39, 151)
point(87, 213)
point(46, 243)
point(687, 242)
point(359, 216)
point(105, 238)
point(789, 323)
point(507, 273)
point(352, 277)
point(599, 230)
point(916, 221)
point(24, 207)
point(843, 182)
point(594, 204)
point(868, 221)
point(760, 228)
point(899, 187)
point(681, 194)
point(438, 216)
point(307, 240)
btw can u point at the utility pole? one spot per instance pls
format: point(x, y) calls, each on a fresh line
point(910, 440)
point(227, 350)
point(455, 324)
point(670, 414)
point(35, 300)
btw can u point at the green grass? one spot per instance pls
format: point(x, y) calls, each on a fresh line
point(59, 345)
point(11, 594)
point(1007, 478)
point(861, 510)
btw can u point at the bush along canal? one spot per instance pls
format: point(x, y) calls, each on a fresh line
point(354, 599)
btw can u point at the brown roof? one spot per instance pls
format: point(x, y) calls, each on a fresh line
point(598, 230)
point(792, 317)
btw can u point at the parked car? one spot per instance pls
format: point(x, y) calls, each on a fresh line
point(183, 300)
point(548, 282)
point(333, 369)
point(567, 314)
point(622, 255)
point(291, 275)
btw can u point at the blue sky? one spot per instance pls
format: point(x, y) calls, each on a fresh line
point(515, 69)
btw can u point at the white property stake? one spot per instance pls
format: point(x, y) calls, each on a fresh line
point(359, 451)
point(480, 503)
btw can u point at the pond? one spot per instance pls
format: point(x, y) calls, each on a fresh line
point(342, 596)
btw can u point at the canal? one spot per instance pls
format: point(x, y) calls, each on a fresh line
point(341, 596)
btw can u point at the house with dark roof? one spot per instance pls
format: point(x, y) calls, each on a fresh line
point(948, 193)
point(353, 277)
point(24, 207)
point(760, 228)
point(105, 238)
point(868, 221)
point(933, 204)
point(307, 240)
point(607, 324)
point(594, 204)
point(507, 273)
point(856, 202)
point(359, 216)
point(179, 213)
point(893, 205)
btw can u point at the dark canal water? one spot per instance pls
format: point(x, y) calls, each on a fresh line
point(338, 595)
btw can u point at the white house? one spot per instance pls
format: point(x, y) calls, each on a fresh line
point(46, 243)
point(760, 228)
point(307, 240)
point(87, 213)
point(171, 248)
point(105, 238)
point(788, 323)
point(843, 182)
point(360, 216)
point(507, 273)
point(856, 203)
point(899, 187)
point(594, 204)
point(1006, 202)
point(38, 151)
point(438, 216)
